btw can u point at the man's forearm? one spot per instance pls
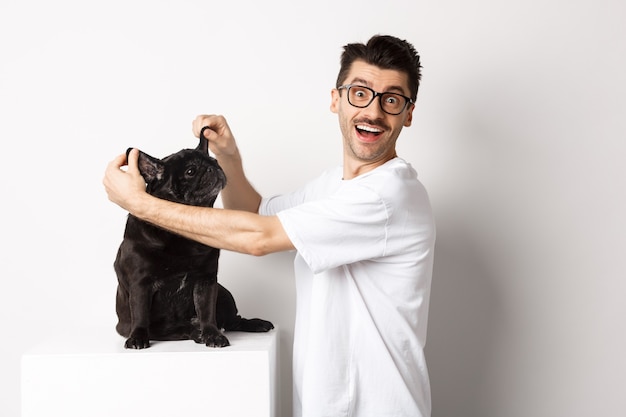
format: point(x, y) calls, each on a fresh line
point(238, 194)
point(232, 230)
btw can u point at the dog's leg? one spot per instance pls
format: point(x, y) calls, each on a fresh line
point(205, 301)
point(122, 307)
point(140, 303)
point(228, 317)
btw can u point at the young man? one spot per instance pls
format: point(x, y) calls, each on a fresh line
point(364, 235)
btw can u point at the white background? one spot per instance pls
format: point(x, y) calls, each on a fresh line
point(519, 135)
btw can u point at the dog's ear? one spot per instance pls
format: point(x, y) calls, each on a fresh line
point(150, 167)
point(204, 142)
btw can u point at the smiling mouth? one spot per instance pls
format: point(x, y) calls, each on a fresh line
point(368, 133)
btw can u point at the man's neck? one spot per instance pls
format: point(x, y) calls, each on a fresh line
point(354, 168)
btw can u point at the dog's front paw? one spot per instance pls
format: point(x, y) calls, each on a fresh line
point(138, 340)
point(217, 340)
point(212, 338)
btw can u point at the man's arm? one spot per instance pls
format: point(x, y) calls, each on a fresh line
point(234, 230)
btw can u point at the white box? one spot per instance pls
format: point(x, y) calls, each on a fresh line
point(90, 374)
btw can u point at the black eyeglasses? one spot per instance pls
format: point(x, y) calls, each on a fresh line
point(361, 96)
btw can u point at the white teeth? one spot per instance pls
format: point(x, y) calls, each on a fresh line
point(369, 129)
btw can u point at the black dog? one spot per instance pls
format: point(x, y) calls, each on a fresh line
point(167, 284)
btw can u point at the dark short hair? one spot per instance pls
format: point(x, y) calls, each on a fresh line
point(386, 52)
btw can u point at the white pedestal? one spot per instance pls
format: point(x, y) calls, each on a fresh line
point(90, 374)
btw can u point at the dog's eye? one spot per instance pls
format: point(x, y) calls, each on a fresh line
point(190, 172)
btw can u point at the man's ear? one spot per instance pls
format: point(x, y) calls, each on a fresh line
point(334, 103)
point(409, 115)
point(150, 168)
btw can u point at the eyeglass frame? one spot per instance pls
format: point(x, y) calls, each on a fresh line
point(347, 87)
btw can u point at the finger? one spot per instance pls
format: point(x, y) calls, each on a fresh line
point(118, 162)
point(217, 124)
point(200, 122)
point(133, 160)
point(206, 133)
point(113, 168)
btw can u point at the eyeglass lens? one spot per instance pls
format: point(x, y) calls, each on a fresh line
point(391, 103)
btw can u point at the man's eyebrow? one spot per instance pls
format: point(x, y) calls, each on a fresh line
point(392, 89)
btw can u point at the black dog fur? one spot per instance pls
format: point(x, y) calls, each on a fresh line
point(167, 284)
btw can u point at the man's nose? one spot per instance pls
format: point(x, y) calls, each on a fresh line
point(375, 109)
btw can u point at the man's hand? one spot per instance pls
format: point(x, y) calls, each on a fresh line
point(238, 193)
point(127, 187)
point(221, 140)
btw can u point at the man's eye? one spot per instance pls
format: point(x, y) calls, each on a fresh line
point(391, 100)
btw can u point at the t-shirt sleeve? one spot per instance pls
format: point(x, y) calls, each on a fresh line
point(347, 227)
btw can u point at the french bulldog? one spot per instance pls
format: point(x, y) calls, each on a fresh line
point(167, 284)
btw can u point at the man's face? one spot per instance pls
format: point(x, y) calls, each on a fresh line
point(370, 134)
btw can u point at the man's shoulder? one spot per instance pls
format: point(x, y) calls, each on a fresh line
point(394, 175)
point(399, 168)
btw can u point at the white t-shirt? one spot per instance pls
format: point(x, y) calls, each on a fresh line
point(363, 276)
